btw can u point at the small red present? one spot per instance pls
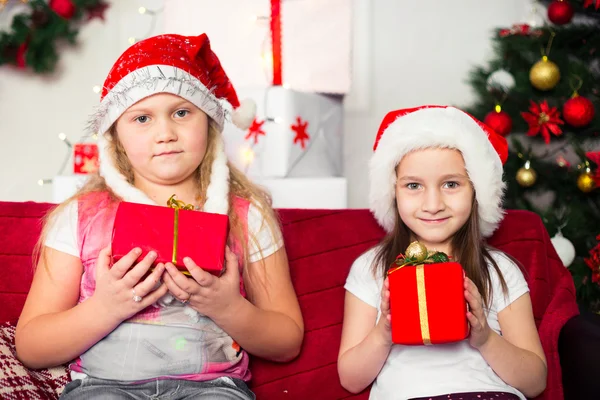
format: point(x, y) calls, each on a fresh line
point(427, 301)
point(173, 232)
point(85, 158)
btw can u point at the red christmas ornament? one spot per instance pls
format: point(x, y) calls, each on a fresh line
point(63, 8)
point(301, 135)
point(97, 11)
point(499, 121)
point(560, 12)
point(255, 130)
point(593, 261)
point(588, 3)
point(543, 119)
point(578, 111)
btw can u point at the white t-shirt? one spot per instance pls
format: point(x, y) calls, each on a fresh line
point(63, 234)
point(420, 371)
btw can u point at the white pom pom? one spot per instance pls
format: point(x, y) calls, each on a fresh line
point(564, 248)
point(501, 80)
point(244, 115)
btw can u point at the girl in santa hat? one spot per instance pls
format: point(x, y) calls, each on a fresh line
point(436, 177)
point(148, 334)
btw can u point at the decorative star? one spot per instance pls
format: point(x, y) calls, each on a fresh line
point(255, 130)
point(90, 165)
point(543, 119)
point(301, 135)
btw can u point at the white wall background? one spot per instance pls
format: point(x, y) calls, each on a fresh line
point(407, 53)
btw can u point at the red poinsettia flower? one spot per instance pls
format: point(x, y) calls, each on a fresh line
point(543, 119)
point(593, 262)
point(521, 30)
point(594, 156)
point(588, 3)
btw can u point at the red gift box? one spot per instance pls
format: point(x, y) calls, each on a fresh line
point(173, 233)
point(427, 304)
point(85, 158)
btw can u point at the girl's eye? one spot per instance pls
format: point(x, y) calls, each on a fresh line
point(413, 186)
point(142, 119)
point(451, 185)
point(181, 113)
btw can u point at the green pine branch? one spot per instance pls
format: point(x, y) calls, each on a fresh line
point(576, 51)
point(42, 32)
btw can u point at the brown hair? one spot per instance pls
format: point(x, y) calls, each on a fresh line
point(468, 246)
point(240, 186)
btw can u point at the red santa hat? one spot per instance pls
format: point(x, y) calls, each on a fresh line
point(180, 65)
point(406, 130)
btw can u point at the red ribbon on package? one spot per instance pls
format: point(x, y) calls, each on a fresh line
point(276, 41)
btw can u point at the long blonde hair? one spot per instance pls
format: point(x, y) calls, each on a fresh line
point(240, 186)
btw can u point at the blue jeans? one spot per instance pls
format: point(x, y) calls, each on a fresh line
point(218, 389)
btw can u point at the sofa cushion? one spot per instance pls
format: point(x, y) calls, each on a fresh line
point(18, 382)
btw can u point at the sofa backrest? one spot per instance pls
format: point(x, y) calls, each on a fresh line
point(321, 246)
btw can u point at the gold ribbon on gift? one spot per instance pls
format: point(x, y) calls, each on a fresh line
point(422, 299)
point(177, 205)
point(418, 255)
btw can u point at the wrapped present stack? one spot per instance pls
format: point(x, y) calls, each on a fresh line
point(282, 55)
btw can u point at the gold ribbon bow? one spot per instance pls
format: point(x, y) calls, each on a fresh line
point(177, 205)
point(417, 254)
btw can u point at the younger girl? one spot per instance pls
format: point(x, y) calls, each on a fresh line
point(159, 121)
point(436, 177)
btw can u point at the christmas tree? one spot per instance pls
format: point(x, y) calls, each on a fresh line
point(541, 90)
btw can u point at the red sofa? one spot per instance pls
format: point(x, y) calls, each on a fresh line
point(321, 246)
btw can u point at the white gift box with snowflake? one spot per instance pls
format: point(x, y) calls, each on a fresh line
point(295, 134)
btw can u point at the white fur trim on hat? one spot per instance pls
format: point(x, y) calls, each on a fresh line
point(153, 79)
point(444, 128)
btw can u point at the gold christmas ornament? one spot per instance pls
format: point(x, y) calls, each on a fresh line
point(586, 182)
point(416, 251)
point(526, 176)
point(544, 75)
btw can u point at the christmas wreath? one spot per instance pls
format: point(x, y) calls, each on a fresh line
point(33, 37)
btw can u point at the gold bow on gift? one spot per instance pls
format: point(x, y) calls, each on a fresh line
point(177, 205)
point(417, 254)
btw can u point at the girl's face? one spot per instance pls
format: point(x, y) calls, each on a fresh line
point(165, 138)
point(434, 195)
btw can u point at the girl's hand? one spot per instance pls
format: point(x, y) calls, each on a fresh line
point(119, 292)
point(384, 326)
point(480, 330)
point(209, 295)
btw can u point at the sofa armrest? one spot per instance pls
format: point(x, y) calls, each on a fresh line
point(579, 350)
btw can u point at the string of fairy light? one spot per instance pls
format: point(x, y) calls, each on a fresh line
point(153, 15)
